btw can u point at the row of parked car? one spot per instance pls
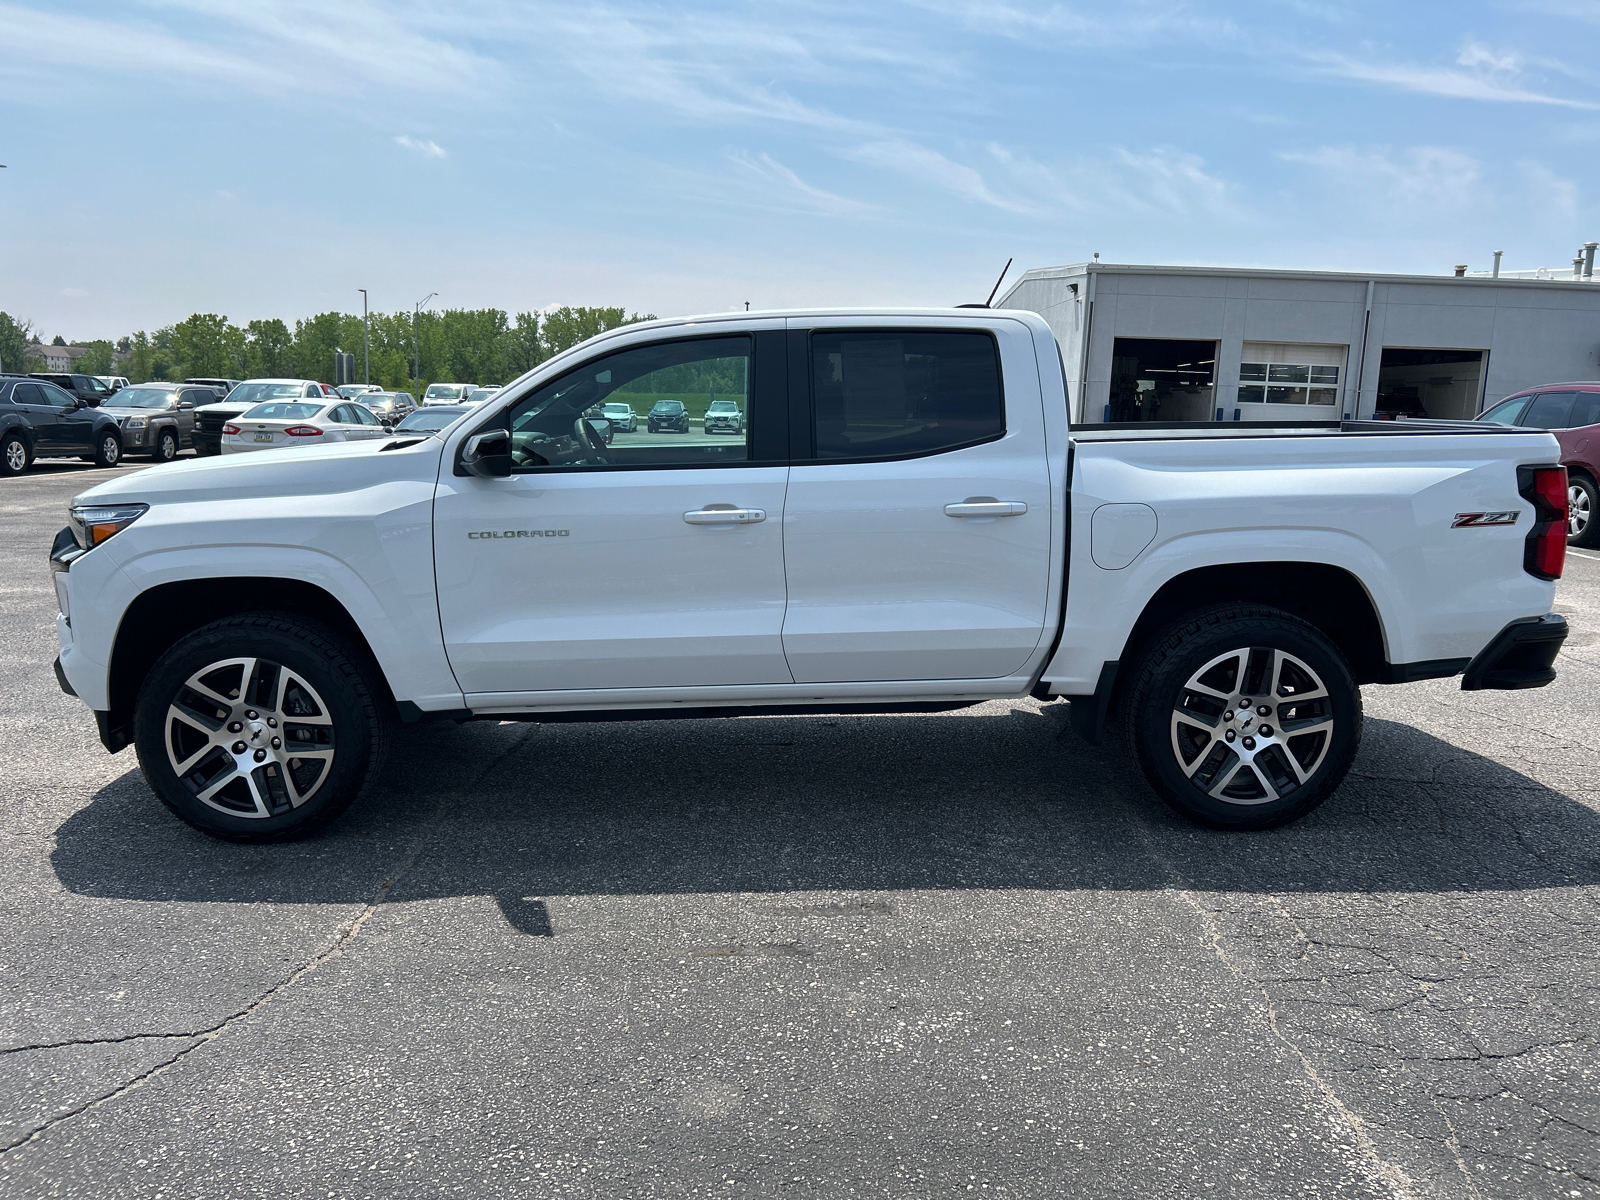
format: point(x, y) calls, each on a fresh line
point(101, 419)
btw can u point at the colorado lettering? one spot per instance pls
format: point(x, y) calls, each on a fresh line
point(521, 533)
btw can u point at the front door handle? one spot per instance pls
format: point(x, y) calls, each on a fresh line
point(978, 506)
point(718, 515)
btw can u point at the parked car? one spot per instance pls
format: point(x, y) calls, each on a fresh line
point(479, 395)
point(447, 393)
point(88, 388)
point(621, 416)
point(246, 395)
point(432, 419)
point(1399, 402)
point(1572, 412)
point(220, 386)
point(896, 539)
point(390, 406)
point(667, 414)
point(114, 382)
point(40, 420)
point(280, 424)
point(351, 390)
point(724, 416)
point(158, 418)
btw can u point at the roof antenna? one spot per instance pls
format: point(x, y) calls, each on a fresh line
point(997, 284)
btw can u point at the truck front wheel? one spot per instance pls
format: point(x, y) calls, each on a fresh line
point(260, 728)
point(1243, 717)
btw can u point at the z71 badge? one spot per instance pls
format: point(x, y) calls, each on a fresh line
point(1463, 520)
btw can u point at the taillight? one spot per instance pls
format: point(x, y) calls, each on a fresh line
point(1545, 551)
point(230, 429)
point(313, 431)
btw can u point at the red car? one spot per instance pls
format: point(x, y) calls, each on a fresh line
point(1572, 412)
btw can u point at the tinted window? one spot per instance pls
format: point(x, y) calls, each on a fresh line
point(548, 426)
point(56, 396)
point(1585, 410)
point(27, 393)
point(879, 394)
point(1507, 411)
point(289, 411)
point(1549, 410)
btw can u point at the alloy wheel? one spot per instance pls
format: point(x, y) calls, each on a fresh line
point(249, 737)
point(1252, 726)
point(16, 456)
point(1578, 511)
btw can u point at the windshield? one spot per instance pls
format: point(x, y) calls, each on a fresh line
point(378, 399)
point(619, 409)
point(723, 406)
point(351, 390)
point(479, 395)
point(281, 412)
point(256, 393)
point(439, 391)
point(428, 420)
point(143, 397)
point(669, 406)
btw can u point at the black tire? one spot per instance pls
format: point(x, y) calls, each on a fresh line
point(107, 449)
point(1224, 772)
point(166, 447)
point(305, 670)
point(14, 455)
point(1583, 511)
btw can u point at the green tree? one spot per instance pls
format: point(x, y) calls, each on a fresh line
point(98, 360)
point(205, 344)
point(266, 349)
point(521, 348)
point(566, 327)
point(58, 340)
point(16, 335)
point(138, 366)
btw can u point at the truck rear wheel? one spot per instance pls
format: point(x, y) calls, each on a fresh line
point(1243, 717)
point(260, 728)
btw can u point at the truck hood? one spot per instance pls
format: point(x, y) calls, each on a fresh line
point(119, 413)
point(311, 470)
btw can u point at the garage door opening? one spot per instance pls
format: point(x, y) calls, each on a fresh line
point(1162, 379)
point(1444, 384)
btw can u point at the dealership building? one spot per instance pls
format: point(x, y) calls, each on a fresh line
point(1150, 343)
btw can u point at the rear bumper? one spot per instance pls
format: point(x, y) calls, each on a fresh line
point(1520, 656)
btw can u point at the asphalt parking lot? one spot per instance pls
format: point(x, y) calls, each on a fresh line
point(893, 956)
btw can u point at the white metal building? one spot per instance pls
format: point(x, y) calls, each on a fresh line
point(1150, 343)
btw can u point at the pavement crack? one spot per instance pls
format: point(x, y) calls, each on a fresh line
point(202, 1037)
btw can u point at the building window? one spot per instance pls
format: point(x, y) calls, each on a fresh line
point(1275, 373)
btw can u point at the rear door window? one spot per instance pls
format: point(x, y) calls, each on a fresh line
point(1549, 410)
point(886, 393)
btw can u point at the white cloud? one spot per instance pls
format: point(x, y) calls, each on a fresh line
point(421, 146)
point(1419, 180)
point(787, 189)
point(1496, 83)
point(1130, 22)
point(919, 162)
point(1175, 181)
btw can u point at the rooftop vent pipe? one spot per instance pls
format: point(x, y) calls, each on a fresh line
point(1461, 270)
point(1588, 259)
point(1577, 266)
point(1497, 255)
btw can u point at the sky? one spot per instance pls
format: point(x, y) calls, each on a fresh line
point(267, 158)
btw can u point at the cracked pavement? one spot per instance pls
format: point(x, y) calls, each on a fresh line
point(899, 956)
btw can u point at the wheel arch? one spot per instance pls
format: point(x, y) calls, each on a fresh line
point(1330, 598)
point(159, 617)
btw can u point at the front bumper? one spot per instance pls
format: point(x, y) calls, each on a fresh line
point(1520, 656)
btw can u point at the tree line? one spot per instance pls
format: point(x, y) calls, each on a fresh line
point(482, 346)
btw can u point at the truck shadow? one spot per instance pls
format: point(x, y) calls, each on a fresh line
point(860, 804)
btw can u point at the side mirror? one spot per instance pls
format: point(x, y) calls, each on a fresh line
point(486, 455)
point(184, 404)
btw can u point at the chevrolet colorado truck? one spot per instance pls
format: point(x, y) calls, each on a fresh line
point(908, 525)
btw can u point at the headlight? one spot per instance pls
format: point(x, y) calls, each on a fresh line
point(134, 423)
point(96, 523)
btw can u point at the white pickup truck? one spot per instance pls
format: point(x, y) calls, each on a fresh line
point(905, 524)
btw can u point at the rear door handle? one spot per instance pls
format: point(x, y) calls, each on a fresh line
point(725, 516)
point(986, 508)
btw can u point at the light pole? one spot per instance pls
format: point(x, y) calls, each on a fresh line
point(416, 346)
point(366, 353)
